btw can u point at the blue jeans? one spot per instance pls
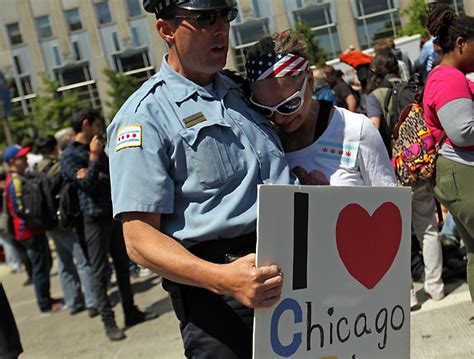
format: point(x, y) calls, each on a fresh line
point(12, 256)
point(38, 252)
point(73, 274)
point(449, 226)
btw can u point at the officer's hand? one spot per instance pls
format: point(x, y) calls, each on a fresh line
point(96, 145)
point(253, 287)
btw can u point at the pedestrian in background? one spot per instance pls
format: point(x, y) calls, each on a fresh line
point(85, 163)
point(322, 91)
point(425, 225)
point(344, 96)
point(33, 240)
point(73, 266)
point(448, 108)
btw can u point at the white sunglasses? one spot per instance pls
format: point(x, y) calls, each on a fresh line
point(288, 106)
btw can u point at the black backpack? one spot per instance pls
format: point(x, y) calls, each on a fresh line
point(39, 211)
point(394, 95)
point(69, 211)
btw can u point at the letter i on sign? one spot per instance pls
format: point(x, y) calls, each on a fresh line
point(300, 241)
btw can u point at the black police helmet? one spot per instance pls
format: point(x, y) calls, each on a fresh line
point(158, 7)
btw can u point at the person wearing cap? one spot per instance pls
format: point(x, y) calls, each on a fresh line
point(33, 240)
point(186, 155)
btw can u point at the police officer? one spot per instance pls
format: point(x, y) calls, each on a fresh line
point(186, 156)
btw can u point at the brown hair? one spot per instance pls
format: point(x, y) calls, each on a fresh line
point(283, 42)
point(382, 45)
point(328, 69)
point(383, 64)
point(446, 26)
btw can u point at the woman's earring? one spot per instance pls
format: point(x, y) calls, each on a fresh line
point(460, 50)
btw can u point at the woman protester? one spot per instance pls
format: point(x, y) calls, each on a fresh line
point(385, 72)
point(385, 69)
point(448, 107)
point(323, 144)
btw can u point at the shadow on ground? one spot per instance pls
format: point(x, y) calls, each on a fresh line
point(139, 285)
point(449, 287)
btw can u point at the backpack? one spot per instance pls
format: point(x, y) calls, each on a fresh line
point(63, 195)
point(414, 149)
point(68, 211)
point(394, 95)
point(39, 211)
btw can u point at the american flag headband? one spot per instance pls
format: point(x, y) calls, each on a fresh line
point(275, 65)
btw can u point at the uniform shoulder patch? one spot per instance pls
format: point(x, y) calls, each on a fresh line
point(129, 136)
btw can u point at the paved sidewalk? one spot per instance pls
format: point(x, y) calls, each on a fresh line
point(442, 330)
point(439, 330)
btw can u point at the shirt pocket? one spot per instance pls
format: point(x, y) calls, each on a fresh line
point(208, 148)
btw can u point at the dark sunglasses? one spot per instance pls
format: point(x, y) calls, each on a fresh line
point(208, 18)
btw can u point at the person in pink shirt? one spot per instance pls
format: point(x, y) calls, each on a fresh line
point(448, 107)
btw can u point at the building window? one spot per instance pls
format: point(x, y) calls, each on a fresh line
point(133, 61)
point(77, 80)
point(73, 19)
point(22, 96)
point(76, 51)
point(248, 10)
point(116, 41)
point(320, 18)
point(26, 87)
point(134, 8)
point(250, 31)
point(22, 87)
point(240, 55)
point(57, 57)
point(458, 6)
point(18, 65)
point(375, 20)
point(44, 27)
point(136, 37)
point(73, 75)
point(14, 34)
point(102, 11)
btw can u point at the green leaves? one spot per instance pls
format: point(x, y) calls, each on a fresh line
point(316, 53)
point(121, 86)
point(52, 111)
point(417, 13)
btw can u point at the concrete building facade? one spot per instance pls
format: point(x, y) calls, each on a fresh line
point(73, 41)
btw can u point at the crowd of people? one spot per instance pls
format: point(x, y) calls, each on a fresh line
point(193, 144)
point(74, 156)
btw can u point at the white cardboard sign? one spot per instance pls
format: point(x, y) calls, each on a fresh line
point(345, 256)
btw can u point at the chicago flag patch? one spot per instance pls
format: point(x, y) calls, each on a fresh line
point(129, 136)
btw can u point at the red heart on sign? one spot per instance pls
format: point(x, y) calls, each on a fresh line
point(368, 244)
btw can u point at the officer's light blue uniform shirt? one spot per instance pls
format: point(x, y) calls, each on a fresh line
point(199, 171)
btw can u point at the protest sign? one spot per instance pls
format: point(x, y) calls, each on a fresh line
point(345, 256)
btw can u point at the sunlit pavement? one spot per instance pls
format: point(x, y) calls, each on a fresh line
point(438, 330)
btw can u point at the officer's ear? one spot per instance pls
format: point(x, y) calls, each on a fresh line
point(166, 28)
